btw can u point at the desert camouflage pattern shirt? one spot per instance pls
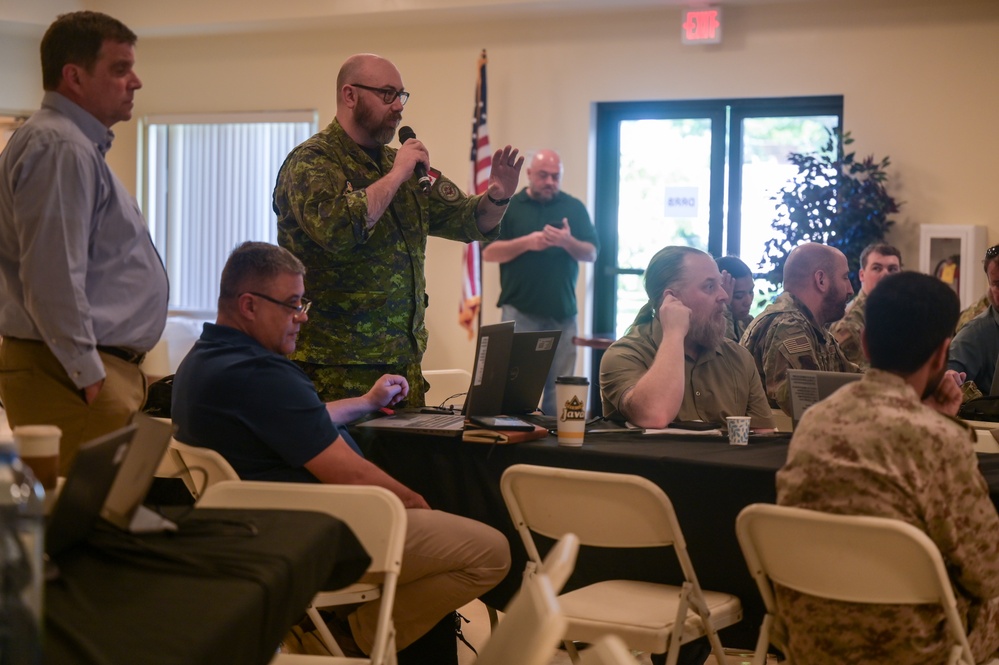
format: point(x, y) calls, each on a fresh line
point(848, 329)
point(786, 336)
point(872, 448)
point(367, 286)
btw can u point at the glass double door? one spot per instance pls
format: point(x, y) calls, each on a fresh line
point(700, 174)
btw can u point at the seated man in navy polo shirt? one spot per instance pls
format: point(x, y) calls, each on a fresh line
point(238, 394)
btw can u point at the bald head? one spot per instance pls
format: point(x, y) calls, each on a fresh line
point(364, 68)
point(805, 260)
point(544, 175)
point(368, 105)
point(819, 277)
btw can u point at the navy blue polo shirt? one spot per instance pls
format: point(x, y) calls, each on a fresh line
point(255, 407)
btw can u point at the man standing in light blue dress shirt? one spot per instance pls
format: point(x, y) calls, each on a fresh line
point(83, 292)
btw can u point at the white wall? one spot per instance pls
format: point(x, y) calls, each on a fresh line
point(20, 72)
point(917, 78)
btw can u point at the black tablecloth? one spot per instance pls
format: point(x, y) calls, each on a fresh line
point(224, 589)
point(709, 482)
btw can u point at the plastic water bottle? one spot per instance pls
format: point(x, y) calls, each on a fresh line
point(22, 529)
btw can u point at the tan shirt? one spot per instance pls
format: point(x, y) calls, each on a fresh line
point(872, 448)
point(723, 382)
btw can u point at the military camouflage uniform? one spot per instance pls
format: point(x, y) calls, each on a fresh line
point(973, 311)
point(873, 448)
point(848, 329)
point(368, 286)
point(733, 329)
point(785, 336)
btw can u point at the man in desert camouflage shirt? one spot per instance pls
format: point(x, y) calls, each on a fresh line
point(791, 333)
point(877, 260)
point(886, 446)
point(352, 211)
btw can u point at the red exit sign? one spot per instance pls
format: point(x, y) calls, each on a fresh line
point(701, 26)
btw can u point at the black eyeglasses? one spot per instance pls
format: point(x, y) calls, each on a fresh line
point(389, 95)
point(300, 309)
point(992, 252)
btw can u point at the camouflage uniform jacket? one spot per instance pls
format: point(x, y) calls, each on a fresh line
point(848, 329)
point(785, 336)
point(972, 312)
point(873, 448)
point(733, 328)
point(367, 286)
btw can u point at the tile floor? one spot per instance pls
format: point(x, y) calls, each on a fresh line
point(477, 632)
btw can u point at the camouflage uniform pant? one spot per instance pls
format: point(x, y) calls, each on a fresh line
point(335, 382)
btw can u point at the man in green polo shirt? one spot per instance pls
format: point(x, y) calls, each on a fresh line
point(675, 363)
point(544, 235)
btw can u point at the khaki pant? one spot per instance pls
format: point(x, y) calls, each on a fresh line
point(447, 562)
point(36, 390)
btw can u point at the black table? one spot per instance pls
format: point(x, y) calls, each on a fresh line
point(224, 589)
point(709, 482)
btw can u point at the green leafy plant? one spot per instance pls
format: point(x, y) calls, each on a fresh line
point(838, 201)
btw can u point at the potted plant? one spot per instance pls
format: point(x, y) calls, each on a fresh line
point(835, 199)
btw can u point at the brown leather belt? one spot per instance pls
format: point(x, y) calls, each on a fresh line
point(124, 354)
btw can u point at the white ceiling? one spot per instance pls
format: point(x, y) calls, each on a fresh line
point(187, 17)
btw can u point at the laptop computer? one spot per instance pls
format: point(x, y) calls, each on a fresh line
point(508, 376)
point(530, 360)
point(808, 386)
point(109, 479)
point(86, 487)
point(123, 505)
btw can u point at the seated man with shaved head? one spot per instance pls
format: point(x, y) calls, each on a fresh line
point(791, 333)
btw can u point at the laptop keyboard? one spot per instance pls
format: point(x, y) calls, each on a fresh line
point(432, 421)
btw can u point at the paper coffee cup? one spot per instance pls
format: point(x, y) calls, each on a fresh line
point(738, 430)
point(570, 398)
point(38, 446)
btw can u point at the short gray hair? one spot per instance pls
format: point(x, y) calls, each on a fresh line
point(254, 263)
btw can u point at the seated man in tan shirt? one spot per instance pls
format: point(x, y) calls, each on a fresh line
point(675, 363)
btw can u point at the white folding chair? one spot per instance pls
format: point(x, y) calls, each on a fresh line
point(531, 627)
point(557, 566)
point(375, 515)
point(621, 511)
point(199, 467)
point(848, 558)
point(445, 384)
point(609, 650)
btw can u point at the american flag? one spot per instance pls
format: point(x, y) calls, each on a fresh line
point(481, 160)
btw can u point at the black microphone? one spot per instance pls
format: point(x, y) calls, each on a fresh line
point(405, 133)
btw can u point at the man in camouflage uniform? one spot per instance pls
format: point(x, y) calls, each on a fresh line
point(886, 446)
point(877, 260)
point(353, 211)
point(791, 333)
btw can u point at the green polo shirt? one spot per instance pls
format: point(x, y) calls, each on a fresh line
point(543, 283)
